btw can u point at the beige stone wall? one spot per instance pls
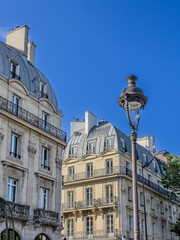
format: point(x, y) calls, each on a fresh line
point(123, 208)
point(27, 170)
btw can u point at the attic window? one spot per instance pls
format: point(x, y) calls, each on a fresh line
point(43, 89)
point(145, 158)
point(109, 143)
point(14, 70)
point(155, 165)
point(91, 147)
point(123, 144)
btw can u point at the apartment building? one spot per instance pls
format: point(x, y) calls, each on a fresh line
point(97, 191)
point(31, 143)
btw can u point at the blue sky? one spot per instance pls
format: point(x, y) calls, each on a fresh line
point(87, 48)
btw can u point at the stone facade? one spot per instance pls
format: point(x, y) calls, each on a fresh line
point(97, 191)
point(31, 145)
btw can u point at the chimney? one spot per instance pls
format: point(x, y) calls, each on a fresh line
point(18, 38)
point(90, 121)
point(76, 125)
point(148, 143)
point(31, 52)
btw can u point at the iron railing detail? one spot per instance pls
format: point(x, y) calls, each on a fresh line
point(96, 234)
point(119, 171)
point(31, 118)
point(91, 203)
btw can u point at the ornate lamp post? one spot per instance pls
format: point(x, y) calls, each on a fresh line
point(132, 99)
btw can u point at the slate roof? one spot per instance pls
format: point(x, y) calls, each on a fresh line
point(29, 73)
point(98, 134)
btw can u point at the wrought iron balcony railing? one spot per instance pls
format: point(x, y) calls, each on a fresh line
point(118, 171)
point(31, 118)
point(13, 154)
point(96, 234)
point(91, 203)
point(14, 75)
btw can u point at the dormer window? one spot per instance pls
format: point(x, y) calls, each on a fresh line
point(14, 70)
point(123, 144)
point(145, 158)
point(109, 143)
point(43, 90)
point(155, 166)
point(91, 147)
point(73, 151)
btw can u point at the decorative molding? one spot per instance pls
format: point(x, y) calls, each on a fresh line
point(1, 137)
point(31, 150)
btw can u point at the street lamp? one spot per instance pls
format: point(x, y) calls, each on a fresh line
point(132, 99)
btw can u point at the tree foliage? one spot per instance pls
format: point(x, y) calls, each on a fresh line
point(171, 181)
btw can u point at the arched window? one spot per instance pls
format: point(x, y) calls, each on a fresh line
point(42, 237)
point(10, 235)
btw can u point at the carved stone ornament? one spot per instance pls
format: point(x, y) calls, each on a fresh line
point(59, 162)
point(31, 150)
point(14, 173)
point(1, 137)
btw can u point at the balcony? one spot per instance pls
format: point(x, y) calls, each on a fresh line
point(14, 75)
point(45, 167)
point(30, 118)
point(91, 150)
point(46, 217)
point(19, 211)
point(96, 234)
point(92, 203)
point(117, 171)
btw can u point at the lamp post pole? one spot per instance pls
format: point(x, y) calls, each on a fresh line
point(133, 138)
point(132, 99)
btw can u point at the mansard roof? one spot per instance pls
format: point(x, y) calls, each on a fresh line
point(98, 134)
point(29, 74)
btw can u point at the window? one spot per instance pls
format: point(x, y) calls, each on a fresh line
point(149, 177)
point(110, 143)
point(70, 227)
point(152, 203)
point(109, 224)
point(158, 182)
point(142, 226)
point(123, 144)
point(89, 170)
point(12, 190)
point(129, 194)
point(89, 199)
point(177, 213)
point(141, 199)
point(109, 194)
point(109, 166)
point(3, 235)
point(153, 230)
point(162, 207)
point(70, 199)
point(89, 226)
point(140, 171)
point(44, 158)
point(14, 71)
point(44, 198)
point(16, 104)
point(73, 151)
point(171, 235)
point(163, 231)
point(170, 212)
point(43, 89)
point(44, 120)
point(71, 173)
point(145, 158)
point(91, 147)
point(15, 146)
point(131, 224)
point(155, 165)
